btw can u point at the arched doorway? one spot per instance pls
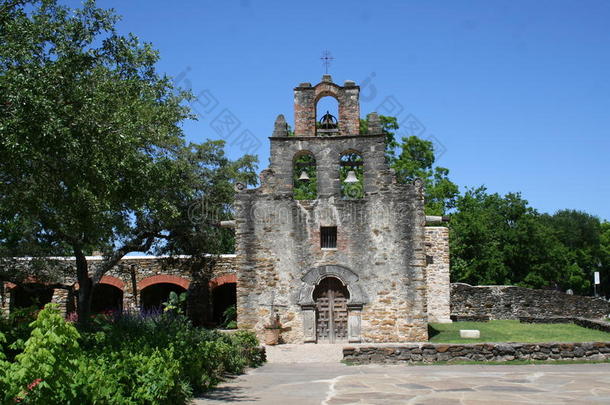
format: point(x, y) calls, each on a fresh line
point(152, 296)
point(330, 297)
point(223, 297)
point(33, 294)
point(106, 298)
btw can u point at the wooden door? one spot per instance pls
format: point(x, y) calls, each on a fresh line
point(331, 310)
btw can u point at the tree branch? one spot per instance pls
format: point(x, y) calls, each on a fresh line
point(141, 242)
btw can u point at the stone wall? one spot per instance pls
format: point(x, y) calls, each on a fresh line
point(380, 246)
point(437, 273)
point(497, 352)
point(601, 325)
point(4, 300)
point(509, 302)
point(307, 96)
point(134, 273)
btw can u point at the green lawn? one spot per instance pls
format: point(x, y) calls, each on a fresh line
point(513, 331)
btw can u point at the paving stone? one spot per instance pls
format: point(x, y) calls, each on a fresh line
point(414, 386)
point(337, 384)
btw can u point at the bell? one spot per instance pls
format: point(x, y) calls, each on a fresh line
point(351, 177)
point(304, 176)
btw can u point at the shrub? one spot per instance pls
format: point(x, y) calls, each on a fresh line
point(131, 378)
point(46, 365)
point(204, 355)
point(158, 359)
point(175, 304)
point(250, 347)
point(230, 317)
point(16, 329)
point(4, 366)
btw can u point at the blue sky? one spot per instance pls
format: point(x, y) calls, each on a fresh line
point(516, 94)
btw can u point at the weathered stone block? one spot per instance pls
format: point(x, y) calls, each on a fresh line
point(470, 333)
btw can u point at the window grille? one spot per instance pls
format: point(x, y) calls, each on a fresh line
point(328, 237)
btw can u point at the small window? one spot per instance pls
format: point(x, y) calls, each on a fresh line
point(328, 237)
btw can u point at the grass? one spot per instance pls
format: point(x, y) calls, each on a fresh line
point(514, 331)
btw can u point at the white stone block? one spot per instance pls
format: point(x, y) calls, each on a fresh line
point(470, 333)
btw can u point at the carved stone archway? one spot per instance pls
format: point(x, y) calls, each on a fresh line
point(357, 299)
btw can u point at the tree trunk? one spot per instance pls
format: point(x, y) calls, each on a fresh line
point(85, 288)
point(199, 304)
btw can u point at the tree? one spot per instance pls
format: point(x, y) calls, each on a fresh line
point(90, 138)
point(195, 231)
point(502, 240)
point(582, 234)
point(475, 248)
point(604, 269)
point(413, 158)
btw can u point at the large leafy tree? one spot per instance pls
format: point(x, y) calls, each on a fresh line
point(193, 238)
point(584, 237)
point(502, 240)
point(90, 139)
point(195, 231)
point(412, 157)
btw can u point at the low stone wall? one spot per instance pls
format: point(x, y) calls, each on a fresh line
point(470, 318)
point(585, 323)
point(430, 353)
point(510, 302)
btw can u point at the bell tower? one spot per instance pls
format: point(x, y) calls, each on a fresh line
point(306, 98)
point(330, 241)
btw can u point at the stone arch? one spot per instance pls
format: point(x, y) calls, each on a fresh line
point(327, 90)
point(113, 281)
point(351, 151)
point(307, 97)
point(164, 279)
point(330, 90)
point(356, 300)
point(223, 291)
point(224, 279)
point(349, 278)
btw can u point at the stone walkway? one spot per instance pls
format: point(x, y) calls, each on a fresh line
point(338, 384)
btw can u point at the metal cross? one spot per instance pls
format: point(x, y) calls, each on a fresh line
point(273, 304)
point(326, 57)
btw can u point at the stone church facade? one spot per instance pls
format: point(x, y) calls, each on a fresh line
point(383, 276)
point(352, 261)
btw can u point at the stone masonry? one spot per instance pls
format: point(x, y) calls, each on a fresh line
point(511, 302)
point(437, 273)
point(391, 272)
point(380, 254)
point(496, 352)
point(135, 273)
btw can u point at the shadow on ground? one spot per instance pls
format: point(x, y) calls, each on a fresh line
point(227, 394)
